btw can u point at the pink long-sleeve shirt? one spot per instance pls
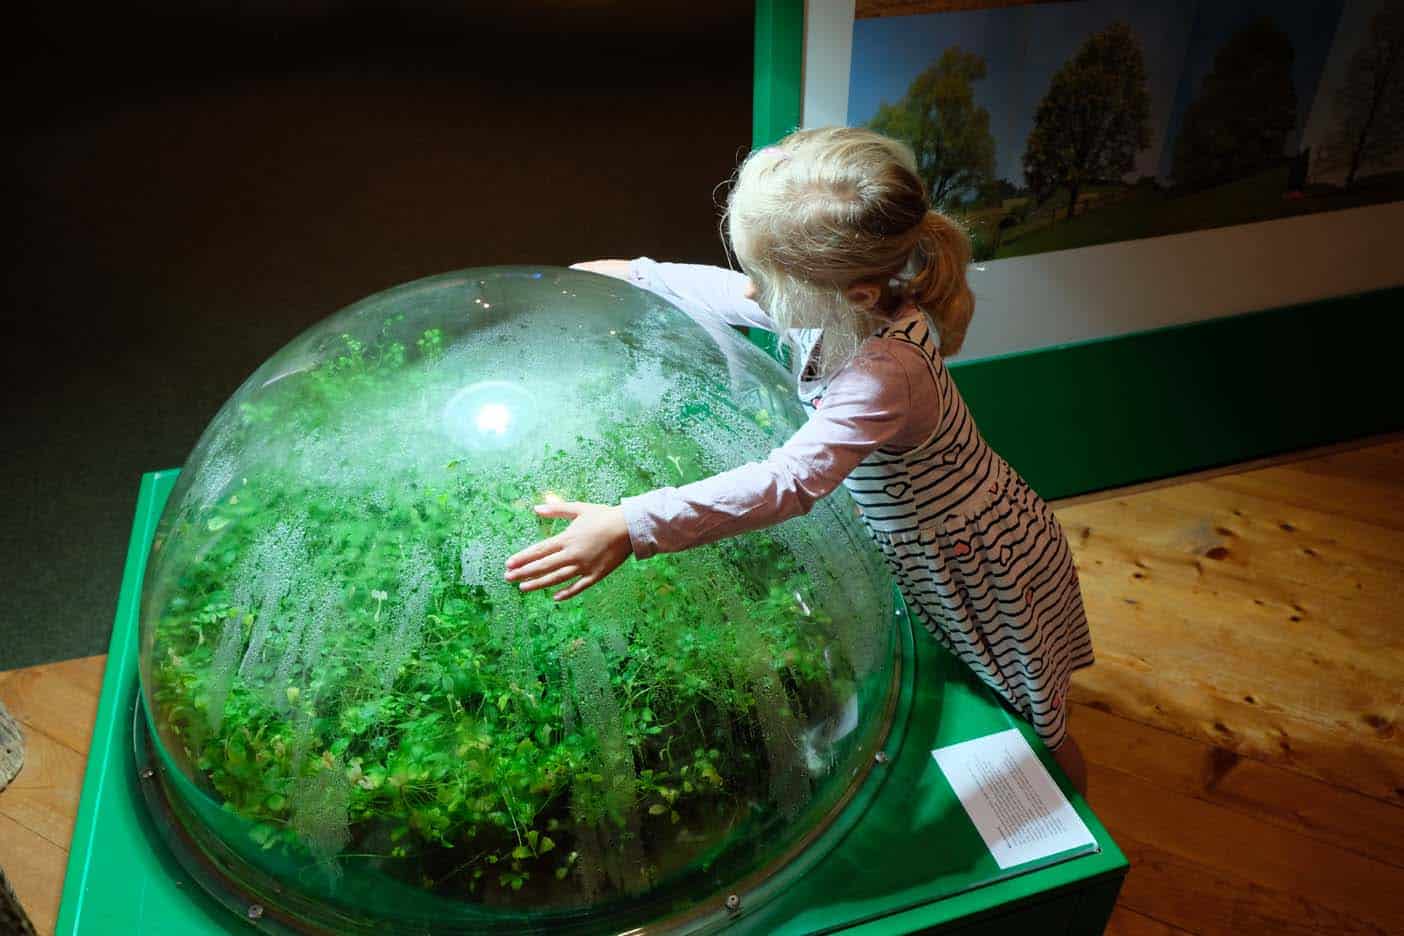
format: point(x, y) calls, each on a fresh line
point(885, 397)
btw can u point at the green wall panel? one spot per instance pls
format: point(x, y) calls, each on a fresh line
point(779, 69)
point(1149, 405)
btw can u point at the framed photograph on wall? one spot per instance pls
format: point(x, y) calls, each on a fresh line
point(1081, 139)
point(1055, 125)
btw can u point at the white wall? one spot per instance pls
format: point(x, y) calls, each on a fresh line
point(1092, 292)
point(828, 54)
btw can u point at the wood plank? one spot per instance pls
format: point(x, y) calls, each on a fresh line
point(1325, 717)
point(1212, 528)
point(1322, 676)
point(1378, 463)
point(35, 867)
point(1204, 617)
point(1210, 901)
point(1127, 922)
point(1212, 531)
point(1298, 544)
point(1297, 489)
point(1218, 775)
point(44, 797)
point(1212, 869)
point(86, 673)
point(1223, 617)
point(1360, 485)
point(1130, 688)
point(56, 705)
point(57, 699)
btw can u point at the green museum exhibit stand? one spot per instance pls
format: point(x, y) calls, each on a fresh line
point(904, 857)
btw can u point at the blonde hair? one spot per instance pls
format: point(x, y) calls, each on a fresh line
point(825, 209)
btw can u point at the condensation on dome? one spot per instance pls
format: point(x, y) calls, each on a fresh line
point(363, 724)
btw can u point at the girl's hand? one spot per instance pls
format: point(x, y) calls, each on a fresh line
point(619, 269)
point(593, 546)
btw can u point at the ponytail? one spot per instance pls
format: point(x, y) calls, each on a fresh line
point(938, 286)
point(829, 208)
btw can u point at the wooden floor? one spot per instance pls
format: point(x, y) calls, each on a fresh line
point(1241, 724)
point(56, 705)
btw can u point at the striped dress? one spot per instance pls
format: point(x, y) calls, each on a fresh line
point(980, 558)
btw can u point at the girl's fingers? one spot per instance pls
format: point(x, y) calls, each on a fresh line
point(554, 577)
point(559, 510)
point(571, 591)
point(540, 567)
point(535, 551)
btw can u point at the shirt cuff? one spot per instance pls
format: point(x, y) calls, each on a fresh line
point(643, 533)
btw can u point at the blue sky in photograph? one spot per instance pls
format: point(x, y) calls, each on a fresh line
point(1023, 46)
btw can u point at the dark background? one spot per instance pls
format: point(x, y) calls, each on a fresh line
point(190, 185)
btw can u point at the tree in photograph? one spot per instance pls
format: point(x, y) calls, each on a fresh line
point(996, 191)
point(1094, 119)
point(1247, 105)
point(1370, 104)
point(947, 130)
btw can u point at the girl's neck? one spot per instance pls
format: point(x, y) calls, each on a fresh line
point(905, 310)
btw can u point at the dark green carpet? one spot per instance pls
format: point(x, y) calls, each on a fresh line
point(177, 220)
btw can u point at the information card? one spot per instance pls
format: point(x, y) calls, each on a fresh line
point(1017, 808)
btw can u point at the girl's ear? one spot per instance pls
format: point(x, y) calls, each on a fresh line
point(865, 294)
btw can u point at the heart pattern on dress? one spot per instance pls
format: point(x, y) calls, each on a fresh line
point(896, 489)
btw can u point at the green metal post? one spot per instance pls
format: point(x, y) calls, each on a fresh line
point(779, 69)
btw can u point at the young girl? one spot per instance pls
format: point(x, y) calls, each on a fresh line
point(867, 284)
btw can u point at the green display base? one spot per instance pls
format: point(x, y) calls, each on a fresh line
point(911, 863)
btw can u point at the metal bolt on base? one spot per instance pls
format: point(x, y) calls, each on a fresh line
point(733, 902)
point(147, 773)
point(255, 911)
point(881, 757)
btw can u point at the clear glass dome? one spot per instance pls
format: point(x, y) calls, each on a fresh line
point(360, 724)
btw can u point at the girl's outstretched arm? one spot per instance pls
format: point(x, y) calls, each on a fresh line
point(704, 292)
point(718, 300)
point(867, 406)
